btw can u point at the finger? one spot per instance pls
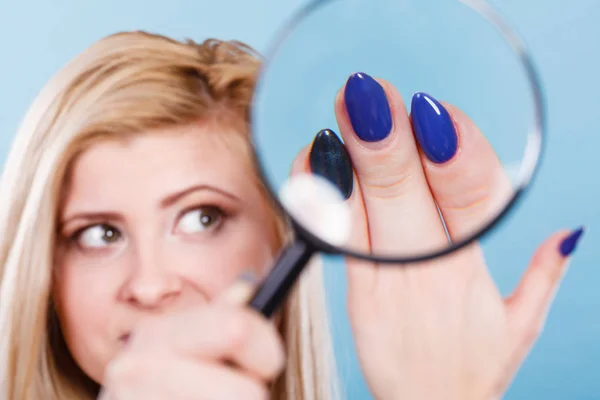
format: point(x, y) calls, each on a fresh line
point(403, 218)
point(240, 291)
point(528, 306)
point(466, 178)
point(328, 157)
point(220, 332)
point(149, 377)
point(301, 163)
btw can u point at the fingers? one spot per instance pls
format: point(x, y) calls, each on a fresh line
point(528, 306)
point(148, 377)
point(466, 178)
point(402, 215)
point(187, 355)
point(222, 331)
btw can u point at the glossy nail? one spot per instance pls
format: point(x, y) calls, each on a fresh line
point(368, 108)
point(433, 128)
point(330, 159)
point(569, 244)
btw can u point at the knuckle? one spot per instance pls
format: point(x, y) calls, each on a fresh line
point(471, 198)
point(383, 183)
point(274, 367)
point(278, 368)
point(279, 355)
point(473, 191)
point(236, 328)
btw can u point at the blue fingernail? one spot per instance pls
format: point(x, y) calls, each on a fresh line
point(247, 276)
point(568, 245)
point(368, 108)
point(330, 159)
point(433, 128)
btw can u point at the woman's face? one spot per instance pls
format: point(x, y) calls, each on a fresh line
point(161, 222)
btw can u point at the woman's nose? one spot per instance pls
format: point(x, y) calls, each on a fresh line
point(152, 283)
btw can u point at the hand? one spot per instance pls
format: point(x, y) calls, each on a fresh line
point(436, 330)
point(222, 351)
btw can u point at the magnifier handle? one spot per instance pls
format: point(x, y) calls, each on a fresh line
point(275, 288)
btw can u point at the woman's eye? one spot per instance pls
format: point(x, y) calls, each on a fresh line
point(200, 219)
point(98, 236)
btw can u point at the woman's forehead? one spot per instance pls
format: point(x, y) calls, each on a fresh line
point(158, 162)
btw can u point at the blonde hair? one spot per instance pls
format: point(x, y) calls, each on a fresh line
point(125, 84)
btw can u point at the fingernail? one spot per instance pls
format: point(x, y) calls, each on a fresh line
point(368, 108)
point(330, 159)
point(433, 128)
point(568, 245)
point(248, 277)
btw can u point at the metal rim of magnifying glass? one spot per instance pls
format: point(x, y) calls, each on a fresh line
point(529, 167)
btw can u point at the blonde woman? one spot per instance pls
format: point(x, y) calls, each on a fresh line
point(131, 205)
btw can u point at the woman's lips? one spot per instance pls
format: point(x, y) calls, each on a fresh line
point(124, 338)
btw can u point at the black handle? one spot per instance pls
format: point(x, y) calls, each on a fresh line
point(275, 288)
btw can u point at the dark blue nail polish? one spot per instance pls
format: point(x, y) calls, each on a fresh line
point(433, 128)
point(568, 245)
point(368, 108)
point(329, 158)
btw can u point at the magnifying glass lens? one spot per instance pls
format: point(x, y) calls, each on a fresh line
point(423, 115)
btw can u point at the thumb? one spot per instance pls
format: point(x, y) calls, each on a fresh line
point(240, 291)
point(528, 306)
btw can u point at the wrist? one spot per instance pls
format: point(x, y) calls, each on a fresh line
point(425, 393)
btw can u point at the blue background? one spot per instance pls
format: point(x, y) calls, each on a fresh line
point(38, 37)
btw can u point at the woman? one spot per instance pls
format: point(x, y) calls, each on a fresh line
point(128, 213)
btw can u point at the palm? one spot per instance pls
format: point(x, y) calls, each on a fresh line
point(438, 329)
point(458, 323)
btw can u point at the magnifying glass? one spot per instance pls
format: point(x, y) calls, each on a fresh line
point(463, 51)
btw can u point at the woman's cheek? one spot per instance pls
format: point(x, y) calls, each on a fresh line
point(213, 264)
point(86, 291)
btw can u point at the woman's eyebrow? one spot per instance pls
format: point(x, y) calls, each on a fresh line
point(164, 203)
point(173, 198)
